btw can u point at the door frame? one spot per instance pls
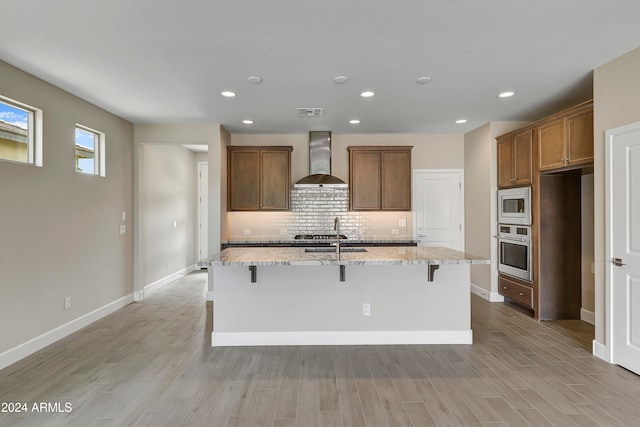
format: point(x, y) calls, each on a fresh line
point(414, 198)
point(199, 219)
point(610, 136)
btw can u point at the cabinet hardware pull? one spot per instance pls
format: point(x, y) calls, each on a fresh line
point(504, 287)
point(521, 294)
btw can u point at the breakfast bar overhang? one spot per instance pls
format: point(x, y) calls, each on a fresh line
point(289, 296)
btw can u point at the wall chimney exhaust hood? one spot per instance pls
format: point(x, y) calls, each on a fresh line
point(320, 163)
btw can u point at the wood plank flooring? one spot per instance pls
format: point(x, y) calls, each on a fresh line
point(151, 364)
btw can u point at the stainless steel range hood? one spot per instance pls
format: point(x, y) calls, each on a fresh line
point(320, 163)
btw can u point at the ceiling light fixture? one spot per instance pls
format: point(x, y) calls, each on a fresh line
point(228, 94)
point(255, 79)
point(461, 121)
point(354, 121)
point(423, 80)
point(340, 79)
point(367, 94)
point(506, 94)
point(247, 122)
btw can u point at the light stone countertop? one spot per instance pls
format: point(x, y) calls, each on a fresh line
point(374, 256)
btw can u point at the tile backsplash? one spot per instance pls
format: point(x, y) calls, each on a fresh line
point(312, 212)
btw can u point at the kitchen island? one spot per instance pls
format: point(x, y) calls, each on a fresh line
point(384, 295)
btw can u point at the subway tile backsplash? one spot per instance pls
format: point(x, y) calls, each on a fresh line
point(312, 212)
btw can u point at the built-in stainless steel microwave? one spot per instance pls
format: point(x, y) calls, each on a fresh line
point(514, 206)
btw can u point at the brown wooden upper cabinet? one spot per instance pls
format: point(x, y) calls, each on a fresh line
point(380, 178)
point(566, 141)
point(259, 178)
point(514, 159)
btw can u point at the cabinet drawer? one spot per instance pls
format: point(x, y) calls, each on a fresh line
point(515, 291)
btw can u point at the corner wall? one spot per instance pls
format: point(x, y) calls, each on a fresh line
point(616, 90)
point(59, 229)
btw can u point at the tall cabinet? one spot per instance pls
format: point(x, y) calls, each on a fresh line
point(560, 151)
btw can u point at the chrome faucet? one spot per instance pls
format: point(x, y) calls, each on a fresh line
point(336, 227)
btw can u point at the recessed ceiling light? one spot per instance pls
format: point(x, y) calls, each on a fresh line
point(367, 94)
point(340, 79)
point(255, 79)
point(228, 94)
point(423, 80)
point(247, 122)
point(354, 122)
point(506, 94)
point(461, 121)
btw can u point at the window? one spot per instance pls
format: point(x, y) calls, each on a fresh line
point(89, 151)
point(20, 132)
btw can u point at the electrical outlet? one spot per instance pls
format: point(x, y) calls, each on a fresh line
point(175, 224)
point(366, 309)
point(246, 232)
point(123, 217)
point(123, 229)
point(283, 231)
point(67, 303)
point(395, 231)
point(402, 223)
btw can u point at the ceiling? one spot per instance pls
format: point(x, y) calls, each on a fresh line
point(167, 61)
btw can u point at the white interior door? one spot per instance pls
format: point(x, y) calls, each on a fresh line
point(203, 210)
point(623, 245)
point(438, 208)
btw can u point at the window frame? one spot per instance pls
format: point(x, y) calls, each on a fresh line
point(34, 132)
point(99, 167)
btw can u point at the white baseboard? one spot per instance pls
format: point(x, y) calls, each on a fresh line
point(483, 293)
point(588, 316)
point(600, 351)
point(166, 280)
point(27, 348)
point(231, 339)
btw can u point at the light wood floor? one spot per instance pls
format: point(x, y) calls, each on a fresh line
point(151, 364)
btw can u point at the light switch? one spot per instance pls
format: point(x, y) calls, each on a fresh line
point(123, 217)
point(175, 224)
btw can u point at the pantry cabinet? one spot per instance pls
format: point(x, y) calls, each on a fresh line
point(258, 178)
point(380, 178)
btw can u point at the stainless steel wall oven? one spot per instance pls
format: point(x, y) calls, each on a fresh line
point(514, 245)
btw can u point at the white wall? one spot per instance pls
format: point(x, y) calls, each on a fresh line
point(616, 91)
point(167, 194)
point(59, 229)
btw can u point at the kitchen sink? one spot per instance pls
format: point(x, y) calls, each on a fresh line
point(333, 249)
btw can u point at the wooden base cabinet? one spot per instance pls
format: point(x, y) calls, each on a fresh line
point(516, 290)
point(258, 178)
point(380, 178)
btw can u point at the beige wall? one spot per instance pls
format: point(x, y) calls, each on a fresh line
point(59, 229)
point(480, 164)
point(167, 194)
point(616, 91)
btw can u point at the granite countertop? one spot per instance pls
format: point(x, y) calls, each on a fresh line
point(373, 256)
point(312, 241)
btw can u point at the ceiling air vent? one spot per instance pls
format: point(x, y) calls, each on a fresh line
point(309, 112)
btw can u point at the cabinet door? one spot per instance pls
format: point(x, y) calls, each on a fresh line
point(243, 185)
point(551, 152)
point(505, 162)
point(365, 181)
point(274, 180)
point(523, 149)
point(396, 180)
point(580, 138)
